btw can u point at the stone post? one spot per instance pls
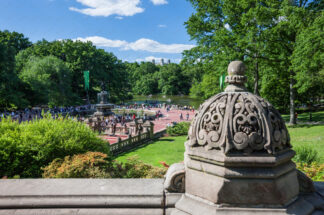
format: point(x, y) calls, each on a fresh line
point(149, 127)
point(238, 157)
point(133, 125)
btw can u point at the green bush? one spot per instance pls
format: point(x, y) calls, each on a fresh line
point(305, 155)
point(314, 170)
point(134, 168)
point(26, 147)
point(99, 165)
point(88, 165)
point(179, 129)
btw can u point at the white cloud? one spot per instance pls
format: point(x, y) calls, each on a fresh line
point(159, 2)
point(109, 7)
point(103, 42)
point(162, 26)
point(154, 46)
point(142, 44)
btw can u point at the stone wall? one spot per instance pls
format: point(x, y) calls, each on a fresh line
point(87, 196)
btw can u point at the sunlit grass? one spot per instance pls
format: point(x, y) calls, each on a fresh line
point(171, 149)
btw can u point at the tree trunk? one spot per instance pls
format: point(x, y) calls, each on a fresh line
point(256, 78)
point(292, 100)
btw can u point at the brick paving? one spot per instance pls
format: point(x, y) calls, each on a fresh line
point(161, 123)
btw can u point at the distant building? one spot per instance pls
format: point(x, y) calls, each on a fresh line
point(162, 62)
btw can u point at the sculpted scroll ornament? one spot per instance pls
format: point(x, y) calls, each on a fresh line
point(238, 122)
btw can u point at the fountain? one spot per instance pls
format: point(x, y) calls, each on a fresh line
point(103, 107)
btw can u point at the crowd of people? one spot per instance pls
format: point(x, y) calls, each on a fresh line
point(80, 112)
point(28, 114)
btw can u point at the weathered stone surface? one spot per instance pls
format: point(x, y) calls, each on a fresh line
point(238, 122)
point(83, 211)
point(83, 193)
point(238, 158)
point(86, 196)
point(197, 206)
point(175, 178)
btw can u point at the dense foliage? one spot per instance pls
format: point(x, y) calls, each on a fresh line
point(308, 161)
point(314, 170)
point(305, 155)
point(11, 94)
point(78, 57)
point(99, 165)
point(26, 147)
point(279, 41)
point(179, 129)
point(49, 80)
point(148, 78)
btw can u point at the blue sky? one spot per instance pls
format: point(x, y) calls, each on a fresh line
point(131, 29)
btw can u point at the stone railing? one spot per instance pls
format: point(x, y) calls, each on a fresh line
point(92, 196)
point(129, 143)
point(134, 141)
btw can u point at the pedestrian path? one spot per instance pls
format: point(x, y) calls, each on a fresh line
point(160, 123)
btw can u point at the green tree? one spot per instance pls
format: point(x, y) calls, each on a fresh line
point(261, 33)
point(172, 81)
point(49, 78)
point(82, 56)
point(307, 60)
point(145, 79)
point(11, 92)
point(228, 30)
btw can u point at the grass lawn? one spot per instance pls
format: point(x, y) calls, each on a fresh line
point(171, 149)
point(310, 136)
point(304, 117)
point(167, 149)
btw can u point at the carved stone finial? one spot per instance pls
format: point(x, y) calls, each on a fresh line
point(238, 121)
point(236, 77)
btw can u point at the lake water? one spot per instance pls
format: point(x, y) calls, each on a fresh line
point(177, 100)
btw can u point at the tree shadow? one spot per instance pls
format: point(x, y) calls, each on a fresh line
point(166, 140)
point(304, 125)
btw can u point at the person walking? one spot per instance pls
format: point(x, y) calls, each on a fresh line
point(187, 116)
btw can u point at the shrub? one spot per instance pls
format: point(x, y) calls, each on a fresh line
point(26, 147)
point(179, 129)
point(314, 170)
point(88, 165)
point(305, 155)
point(134, 168)
point(98, 165)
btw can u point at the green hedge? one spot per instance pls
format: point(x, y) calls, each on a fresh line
point(179, 129)
point(26, 147)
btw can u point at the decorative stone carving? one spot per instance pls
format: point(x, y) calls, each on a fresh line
point(238, 121)
point(175, 178)
point(238, 159)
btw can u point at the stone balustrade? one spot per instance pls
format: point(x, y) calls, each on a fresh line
point(89, 196)
point(134, 141)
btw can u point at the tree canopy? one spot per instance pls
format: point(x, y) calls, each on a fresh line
point(268, 35)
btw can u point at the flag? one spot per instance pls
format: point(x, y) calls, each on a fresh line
point(86, 75)
point(222, 81)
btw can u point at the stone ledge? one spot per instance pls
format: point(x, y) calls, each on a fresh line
point(83, 211)
point(81, 193)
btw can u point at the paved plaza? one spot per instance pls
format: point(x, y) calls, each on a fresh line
point(161, 123)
